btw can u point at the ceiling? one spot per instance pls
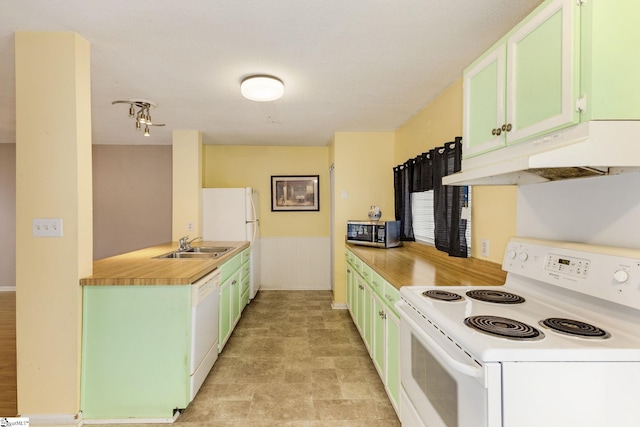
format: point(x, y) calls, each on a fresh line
point(347, 65)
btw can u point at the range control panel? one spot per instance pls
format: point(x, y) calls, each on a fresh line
point(578, 267)
point(604, 272)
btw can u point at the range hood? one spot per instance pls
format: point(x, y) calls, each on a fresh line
point(594, 148)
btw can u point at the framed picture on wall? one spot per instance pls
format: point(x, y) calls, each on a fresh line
point(295, 193)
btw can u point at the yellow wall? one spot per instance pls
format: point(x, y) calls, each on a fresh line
point(493, 211)
point(253, 166)
point(53, 180)
point(187, 176)
point(363, 174)
point(439, 122)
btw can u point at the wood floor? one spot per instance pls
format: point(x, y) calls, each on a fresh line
point(8, 400)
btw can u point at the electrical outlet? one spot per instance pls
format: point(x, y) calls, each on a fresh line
point(47, 227)
point(190, 226)
point(484, 247)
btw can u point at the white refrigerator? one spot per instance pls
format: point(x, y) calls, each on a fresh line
point(232, 214)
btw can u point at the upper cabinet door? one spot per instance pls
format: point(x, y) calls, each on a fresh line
point(484, 103)
point(527, 84)
point(542, 72)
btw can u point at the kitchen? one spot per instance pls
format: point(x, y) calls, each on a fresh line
point(494, 209)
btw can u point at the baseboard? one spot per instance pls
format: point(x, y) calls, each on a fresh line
point(134, 420)
point(53, 419)
point(340, 306)
point(7, 288)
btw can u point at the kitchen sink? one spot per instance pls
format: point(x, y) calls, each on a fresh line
point(209, 249)
point(199, 252)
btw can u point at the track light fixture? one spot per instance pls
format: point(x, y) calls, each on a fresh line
point(142, 116)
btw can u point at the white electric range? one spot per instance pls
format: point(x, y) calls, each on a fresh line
point(557, 345)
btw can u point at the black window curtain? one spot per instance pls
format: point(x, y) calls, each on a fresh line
point(425, 173)
point(403, 187)
point(448, 201)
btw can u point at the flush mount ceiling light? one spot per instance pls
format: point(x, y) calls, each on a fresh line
point(142, 115)
point(262, 88)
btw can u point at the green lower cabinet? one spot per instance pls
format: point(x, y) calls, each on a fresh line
point(372, 311)
point(231, 295)
point(364, 308)
point(229, 312)
point(224, 314)
point(392, 356)
point(236, 291)
point(135, 351)
point(379, 336)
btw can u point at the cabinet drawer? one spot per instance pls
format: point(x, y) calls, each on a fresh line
point(245, 283)
point(244, 299)
point(377, 283)
point(366, 272)
point(350, 257)
point(245, 255)
point(246, 269)
point(391, 295)
point(229, 267)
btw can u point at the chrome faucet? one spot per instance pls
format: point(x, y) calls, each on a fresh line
point(184, 244)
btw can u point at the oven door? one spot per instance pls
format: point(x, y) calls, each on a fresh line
point(445, 389)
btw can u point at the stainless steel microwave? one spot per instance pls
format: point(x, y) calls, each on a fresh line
point(382, 234)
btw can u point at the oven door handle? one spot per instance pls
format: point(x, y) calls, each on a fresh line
point(440, 353)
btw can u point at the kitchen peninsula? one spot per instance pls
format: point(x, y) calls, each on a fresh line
point(153, 326)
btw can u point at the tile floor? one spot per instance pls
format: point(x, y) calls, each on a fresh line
point(292, 361)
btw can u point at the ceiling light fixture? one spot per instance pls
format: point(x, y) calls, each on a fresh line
point(142, 116)
point(262, 88)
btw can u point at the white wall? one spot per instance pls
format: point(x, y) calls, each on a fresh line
point(295, 263)
point(602, 210)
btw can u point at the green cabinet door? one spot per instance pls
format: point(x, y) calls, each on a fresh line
point(360, 308)
point(367, 309)
point(350, 291)
point(484, 103)
point(610, 80)
point(224, 314)
point(543, 71)
point(379, 335)
point(392, 356)
point(236, 292)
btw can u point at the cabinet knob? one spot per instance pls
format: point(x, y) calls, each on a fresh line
point(508, 127)
point(498, 131)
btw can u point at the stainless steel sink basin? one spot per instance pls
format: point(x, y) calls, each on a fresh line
point(199, 252)
point(189, 255)
point(209, 249)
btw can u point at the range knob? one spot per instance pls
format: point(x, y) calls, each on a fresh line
point(621, 276)
point(511, 254)
point(522, 256)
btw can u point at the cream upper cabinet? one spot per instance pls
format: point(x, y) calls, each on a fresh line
point(527, 84)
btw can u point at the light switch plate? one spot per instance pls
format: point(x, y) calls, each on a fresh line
point(47, 227)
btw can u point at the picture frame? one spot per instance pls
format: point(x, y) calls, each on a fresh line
point(295, 193)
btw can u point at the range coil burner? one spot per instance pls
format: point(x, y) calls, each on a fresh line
point(498, 297)
point(442, 295)
point(574, 328)
point(503, 327)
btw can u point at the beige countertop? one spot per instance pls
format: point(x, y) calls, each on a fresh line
point(415, 264)
point(141, 268)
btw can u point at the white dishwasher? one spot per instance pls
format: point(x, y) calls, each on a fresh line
point(204, 328)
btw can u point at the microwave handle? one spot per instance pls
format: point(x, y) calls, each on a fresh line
point(440, 353)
